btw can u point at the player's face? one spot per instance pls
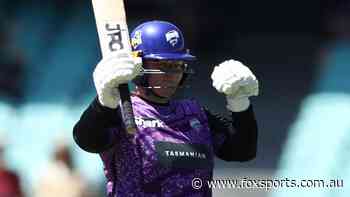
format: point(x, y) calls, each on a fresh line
point(165, 85)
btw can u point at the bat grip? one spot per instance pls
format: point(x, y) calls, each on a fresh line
point(126, 107)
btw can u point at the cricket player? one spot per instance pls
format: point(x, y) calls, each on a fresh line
point(176, 141)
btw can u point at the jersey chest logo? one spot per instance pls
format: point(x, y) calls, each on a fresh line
point(144, 122)
point(195, 124)
point(181, 155)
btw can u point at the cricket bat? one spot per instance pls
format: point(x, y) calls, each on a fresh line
point(113, 35)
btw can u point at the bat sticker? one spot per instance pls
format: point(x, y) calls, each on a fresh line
point(115, 33)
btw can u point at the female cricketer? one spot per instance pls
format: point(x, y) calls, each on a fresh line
point(176, 140)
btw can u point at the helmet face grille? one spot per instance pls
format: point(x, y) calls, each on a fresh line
point(162, 67)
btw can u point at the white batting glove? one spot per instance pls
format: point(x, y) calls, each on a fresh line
point(112, 71)
point(237, 82)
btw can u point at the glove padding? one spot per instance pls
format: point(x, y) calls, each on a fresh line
point(237, 82)
point(112, 71)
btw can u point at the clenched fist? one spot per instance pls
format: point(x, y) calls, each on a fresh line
point(237, 82)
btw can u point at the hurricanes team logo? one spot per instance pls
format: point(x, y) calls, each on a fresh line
point(195, 124)
point(172, 37)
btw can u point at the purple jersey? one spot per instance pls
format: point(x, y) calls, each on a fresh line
point(173, 145)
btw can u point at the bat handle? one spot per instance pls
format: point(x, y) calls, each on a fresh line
point(126, 107)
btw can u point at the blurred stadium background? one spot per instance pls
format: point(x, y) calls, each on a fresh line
point(299, 50)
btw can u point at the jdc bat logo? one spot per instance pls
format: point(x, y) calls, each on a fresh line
point(115, 33)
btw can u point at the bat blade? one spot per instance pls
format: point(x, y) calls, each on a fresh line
point(111, 26)
point(113, 35)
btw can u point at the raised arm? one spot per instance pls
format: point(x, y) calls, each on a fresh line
point(235, 138)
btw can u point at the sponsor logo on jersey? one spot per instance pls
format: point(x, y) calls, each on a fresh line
point(172, 37)
point(192, 154)
point(149, 122)
point(180, 155)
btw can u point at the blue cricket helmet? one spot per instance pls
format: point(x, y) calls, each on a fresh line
point(160, 40)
